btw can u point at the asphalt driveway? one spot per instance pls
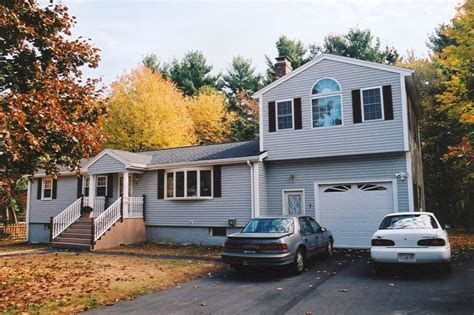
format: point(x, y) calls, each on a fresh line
point(342, 284)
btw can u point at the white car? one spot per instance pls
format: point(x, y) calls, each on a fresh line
point(411, 238)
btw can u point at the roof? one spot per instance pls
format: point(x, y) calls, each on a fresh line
point(322, 57)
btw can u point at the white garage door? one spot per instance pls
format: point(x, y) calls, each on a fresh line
point(353, 211)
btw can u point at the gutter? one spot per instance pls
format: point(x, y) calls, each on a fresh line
point(252, 202)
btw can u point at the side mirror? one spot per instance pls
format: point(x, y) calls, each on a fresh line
point(447, 226)
point(323, 229)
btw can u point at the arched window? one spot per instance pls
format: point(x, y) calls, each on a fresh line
point(326, 105)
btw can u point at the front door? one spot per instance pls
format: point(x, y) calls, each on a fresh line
point(293, 203)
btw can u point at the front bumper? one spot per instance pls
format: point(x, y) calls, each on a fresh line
point(257, 259)
point(422, 255)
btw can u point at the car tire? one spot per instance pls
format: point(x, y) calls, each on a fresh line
point(297, 267)
point(238, 268)
point(329, 248)
point(378, 267)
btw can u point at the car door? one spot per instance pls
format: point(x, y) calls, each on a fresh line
point(308, 235)
point(320, 237)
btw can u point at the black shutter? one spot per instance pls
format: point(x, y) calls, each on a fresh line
point(217, 178)
point(387, 102)
point(298, 118)
point(356, 109)
point(79, 186)
point(38, 192)
point(161, 184)
point(110, 186)
point(55, 188)
point(271, 117)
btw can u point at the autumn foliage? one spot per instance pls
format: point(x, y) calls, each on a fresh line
point(49, 115)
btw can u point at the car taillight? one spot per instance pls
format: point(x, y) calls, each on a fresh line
point(273, 247)
point(382, 242)
point(431, 242)
point(231, 246)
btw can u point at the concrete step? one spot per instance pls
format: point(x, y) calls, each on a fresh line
point(74, 234)
point(71, 240)
point(65, 245)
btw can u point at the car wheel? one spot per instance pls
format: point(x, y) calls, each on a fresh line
point(300, 262)
point(329, 248)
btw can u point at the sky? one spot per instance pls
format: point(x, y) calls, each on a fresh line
point(126, 31)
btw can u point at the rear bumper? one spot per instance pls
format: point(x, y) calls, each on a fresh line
point(422, 255)
point(256, 259)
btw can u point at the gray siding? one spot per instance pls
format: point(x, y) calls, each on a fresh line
point(42, 210)
point(306, 172)
point(185, 235)
point(348, 139)
point(234, 203)
point(262, 188)
point(38, 233)
point(106, 164)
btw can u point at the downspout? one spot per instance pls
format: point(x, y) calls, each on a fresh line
point(251, 189)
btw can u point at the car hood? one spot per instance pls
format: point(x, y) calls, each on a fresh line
point(258, 235)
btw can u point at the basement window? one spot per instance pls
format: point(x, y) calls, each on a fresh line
point(218, 231)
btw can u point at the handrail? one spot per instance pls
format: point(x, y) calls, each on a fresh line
point(107, 218)
point(134, 207)
point(65, 218)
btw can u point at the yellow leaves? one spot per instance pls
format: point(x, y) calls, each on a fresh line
point(149, 112)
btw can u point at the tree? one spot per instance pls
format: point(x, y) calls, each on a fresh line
point(151, 62)
point(438, 40)
point(240, 77)
point(295, 50)
point(147, 112)
point(245, 126)
point(208, 111)
point(192, 73)
point(49, 115)
point(357, 44)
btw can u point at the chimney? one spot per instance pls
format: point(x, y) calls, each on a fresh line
point(282, 66)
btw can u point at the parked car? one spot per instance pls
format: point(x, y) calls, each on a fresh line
point(411, 238)
point(277, 241)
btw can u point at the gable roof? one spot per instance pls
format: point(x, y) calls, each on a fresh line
point(337, 58)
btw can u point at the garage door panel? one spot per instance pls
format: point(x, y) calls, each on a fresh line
point(352, 212)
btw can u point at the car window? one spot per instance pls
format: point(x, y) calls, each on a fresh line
point(315, 225)
point(269, 226)
point(408, 221)
point(305, 226)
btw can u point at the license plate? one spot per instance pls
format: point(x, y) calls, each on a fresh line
point(406, 258)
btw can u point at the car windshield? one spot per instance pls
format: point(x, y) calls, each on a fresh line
point(409, 221)
point(269, 226)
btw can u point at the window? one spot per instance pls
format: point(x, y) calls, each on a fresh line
point(339, 188)
point(218, 231)
point(193, 183)
point(305, 227)
point(101, 190)
point(269, 226)
point(409, 221)
point(315, 225)
point(372, 104)
point(285, 115)
point(370, 187)
point(327, 105)
point(86, 186)
point(47, 189)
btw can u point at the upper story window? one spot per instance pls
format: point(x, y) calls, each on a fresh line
point(284, 114)
point(189, 183)
point(372, 105)
point(47, 192)
point(326, 106)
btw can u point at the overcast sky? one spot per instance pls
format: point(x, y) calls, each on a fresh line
point(125, 31)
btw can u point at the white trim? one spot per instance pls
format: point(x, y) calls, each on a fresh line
point(198, 183)
point(321, 57)
point(256, 186)
point(317, 200)
point(323, 96)
point(116, 156)
point(292, 114)
point(28, 204)
point(409, 181)
point(337, 92)
point(283, 200)
point(381, 103)
point(406, 145)
point(252, 190)
point(260, 125)
point(97, 184)
point(43, 185)
point(209, 162)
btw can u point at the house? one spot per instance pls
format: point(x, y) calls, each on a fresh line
point(339, 140)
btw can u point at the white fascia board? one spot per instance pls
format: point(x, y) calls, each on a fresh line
point(255, 158)
point(321, 57)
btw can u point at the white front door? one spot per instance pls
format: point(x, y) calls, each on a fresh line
point(293, 203)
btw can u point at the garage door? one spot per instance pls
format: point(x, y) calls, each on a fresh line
point(353, 211)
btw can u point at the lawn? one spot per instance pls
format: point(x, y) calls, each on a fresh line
point(7, 245)
point(68, 282)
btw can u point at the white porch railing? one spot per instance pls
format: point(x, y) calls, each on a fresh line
point(98, 205)
point(133, 207)
point(64, 219)
point(107, 218)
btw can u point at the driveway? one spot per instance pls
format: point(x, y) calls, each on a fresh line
point(342, 284)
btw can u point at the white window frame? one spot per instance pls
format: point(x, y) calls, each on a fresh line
point(362, 103)
point(284, 202)
point(331, 93)
point(322, 95)
point(43, 188)
point(198, 186)
point(292, 114)
point(97, 185)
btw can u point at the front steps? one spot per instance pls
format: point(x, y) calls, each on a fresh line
point(76, 236)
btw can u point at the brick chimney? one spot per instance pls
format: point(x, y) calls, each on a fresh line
point(282, 66)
